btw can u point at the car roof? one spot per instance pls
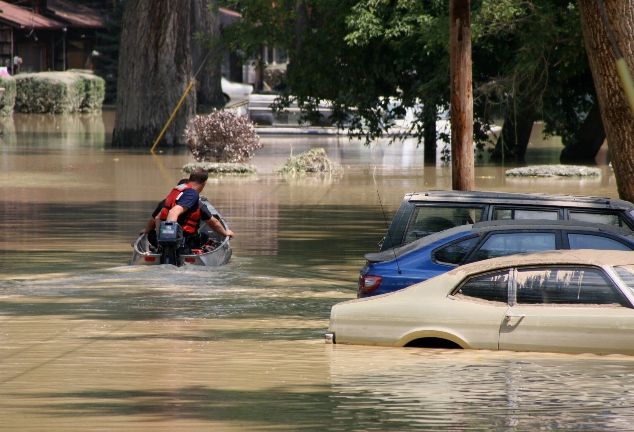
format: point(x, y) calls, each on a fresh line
point(534, 199)
point(558, 257)
point(518, 224)
point(497, 225)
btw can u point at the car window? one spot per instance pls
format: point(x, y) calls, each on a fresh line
point(502, 244)
point(591, 241)
point(427, 220)
point(511, 214)
point(455, 252)
point(626, 273)
point(599, 218)
point(573, 286)
point(490, 287)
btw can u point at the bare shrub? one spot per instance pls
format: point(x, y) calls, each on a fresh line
point(222, 136)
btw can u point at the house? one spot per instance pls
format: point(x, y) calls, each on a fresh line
point(265, 70)
point(83, 22)
point(231, 64)
point(42, 35)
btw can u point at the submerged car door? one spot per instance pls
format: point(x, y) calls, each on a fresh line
point(567, 309)
point(480, 303)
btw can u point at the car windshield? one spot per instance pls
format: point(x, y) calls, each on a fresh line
point(626, 273)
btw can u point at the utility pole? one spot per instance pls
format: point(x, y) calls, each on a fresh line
point(462, 159)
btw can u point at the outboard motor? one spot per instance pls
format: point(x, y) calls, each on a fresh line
point(170, 240)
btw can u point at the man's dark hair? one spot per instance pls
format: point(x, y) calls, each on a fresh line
point(199, 176)
point(182, 181)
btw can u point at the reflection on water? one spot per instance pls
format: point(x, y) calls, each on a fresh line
point(485, 390)
point(88, 343)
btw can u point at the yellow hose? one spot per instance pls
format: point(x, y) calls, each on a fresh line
point(171, 119)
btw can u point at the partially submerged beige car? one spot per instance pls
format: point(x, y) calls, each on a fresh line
point(578, 301)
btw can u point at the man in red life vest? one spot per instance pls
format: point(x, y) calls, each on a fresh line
point(182, 205)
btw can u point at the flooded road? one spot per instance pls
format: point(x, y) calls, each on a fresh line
point(88, 343)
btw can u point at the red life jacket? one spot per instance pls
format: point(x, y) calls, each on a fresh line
point(192, 218)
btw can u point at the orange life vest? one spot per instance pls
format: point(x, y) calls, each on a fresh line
point(191, 218)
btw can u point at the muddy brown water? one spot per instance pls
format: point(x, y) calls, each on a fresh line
point(88, 343)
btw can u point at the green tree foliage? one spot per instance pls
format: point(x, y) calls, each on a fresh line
point(262, 23)
point(542, 69)
point(408, 39)
point(528, 60)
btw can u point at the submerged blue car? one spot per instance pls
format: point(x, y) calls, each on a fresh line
point(396, 268)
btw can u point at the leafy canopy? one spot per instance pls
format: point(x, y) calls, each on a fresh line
point(362, 55)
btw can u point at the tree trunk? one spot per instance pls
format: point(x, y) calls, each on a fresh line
point(429, 133)
point(587, 140)
point(301, 24)
point(615, 112)
point(516, 132)
point(154, 70)
point(205, 43)
point(462, 159)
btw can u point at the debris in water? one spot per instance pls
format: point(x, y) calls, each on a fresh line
point(311, 162)
point(220, 168)
point(554, 171)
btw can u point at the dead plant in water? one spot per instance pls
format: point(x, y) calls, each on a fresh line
point(222, 136)
point(313, 161)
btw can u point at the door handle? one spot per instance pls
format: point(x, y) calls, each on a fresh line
point(509, 316)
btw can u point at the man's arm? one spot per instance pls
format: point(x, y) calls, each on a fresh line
point(175, 212)
point(215, 225)
point(153, 222)
point(149, 226)
point(186, 200)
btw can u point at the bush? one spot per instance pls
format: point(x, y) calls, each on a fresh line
point(222, 136)
point(310, 162)
point(58, 92)
point(94, 91)
point(8, 98)
point(47, 92)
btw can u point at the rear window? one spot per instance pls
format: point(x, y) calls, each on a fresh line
point(455, 253)
point(428, 220)
point(490, 287)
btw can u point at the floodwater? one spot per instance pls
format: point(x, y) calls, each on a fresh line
point(88, 343)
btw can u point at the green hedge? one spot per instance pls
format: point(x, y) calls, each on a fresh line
point(7, 101)
point(59, 92)
point(94, 90)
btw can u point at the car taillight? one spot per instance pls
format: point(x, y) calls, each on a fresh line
point(368, 283)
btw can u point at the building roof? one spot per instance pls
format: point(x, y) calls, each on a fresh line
point(25, 18)
point(75, 14)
